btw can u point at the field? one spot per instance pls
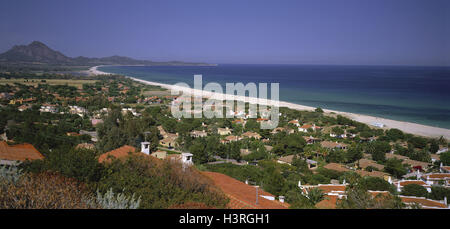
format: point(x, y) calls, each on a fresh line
point(70, 82)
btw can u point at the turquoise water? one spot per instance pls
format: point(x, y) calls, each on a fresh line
point(413, 94)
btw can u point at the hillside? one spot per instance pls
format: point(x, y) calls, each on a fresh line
point(37, 53)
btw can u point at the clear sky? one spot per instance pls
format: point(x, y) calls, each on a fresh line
point(380, 32)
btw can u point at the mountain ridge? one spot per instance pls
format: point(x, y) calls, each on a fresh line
point(39, 53)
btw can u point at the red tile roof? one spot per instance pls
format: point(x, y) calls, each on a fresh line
point(337, 167)
point(20, 152)
point(117, 153)
point(425, 203)
point(242, 195)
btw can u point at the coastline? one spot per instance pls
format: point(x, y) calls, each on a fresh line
point(407, 127)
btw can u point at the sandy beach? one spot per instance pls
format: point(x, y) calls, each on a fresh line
point(407, 127)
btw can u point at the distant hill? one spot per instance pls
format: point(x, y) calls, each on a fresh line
point(39, 53)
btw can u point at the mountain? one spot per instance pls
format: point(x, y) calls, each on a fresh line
point(39, 53)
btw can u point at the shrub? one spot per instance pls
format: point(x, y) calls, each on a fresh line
point(414, 190)
point(45, 191)
point(120, 201)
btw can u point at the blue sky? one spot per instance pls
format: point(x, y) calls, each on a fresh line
point(373, 32)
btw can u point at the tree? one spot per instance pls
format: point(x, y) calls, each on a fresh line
point(315, 195)
point(434, 146)
point(378, 149)
point(445, 158)
point(274, 183)
point(353, 153)
point(439, 192)
point(337, 130)
point(414, 190)
point(395, 167)
point(394, 134)
point(318, 110)
point(376, 184)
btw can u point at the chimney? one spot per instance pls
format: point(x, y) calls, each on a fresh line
point(398, 186)
point(445, 201)
point(300, 184)
point(145, 147)
point(246, 181)
point(281, 198)
point(390, 180)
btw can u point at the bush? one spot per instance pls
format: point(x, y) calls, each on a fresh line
point(45, 191)
point(414, 190)
point(120, 201)
point(160, 184)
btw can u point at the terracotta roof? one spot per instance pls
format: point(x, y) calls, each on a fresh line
point(446, 168)
point(391, 155)
point(336, 167)
point(117, 153)
point(242, 195)
point(250, 134)
point(328, 203)
point(425, 203)
point(371, 174)
point(364, 163)
point(20, 152)
point(437, 175)
point(415, 163)
point(407, 182)
point(331, 145)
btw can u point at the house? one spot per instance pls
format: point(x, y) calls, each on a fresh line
point(337, 167)
point(373, 173)
point(398, 156)
point(378, 124)
point(435, 157)
point(442, 150)
point(224, 131)
point(288, 160)
point(48, 108)
point(306, 127)
point(88, 146)
point(119, 153)
point(77, 110)
point(170, 141)
point(416, 165)
point(294, 122)
point(402, 183)
point(93, 134)
point(11, 155)
point(230, 138)
point(96, 121)
point(311, 140)
point(245, 152)
point(245, 196)
point(184, 158)
point(278, 130)
point(268, 148)
point(437, 179)
point(198, 134)
point(333, 145)
point(445, 169)
point(250, 134)
point(333, 193)
point(160, 154)
point(24, 107)
point(424, 202)
point(364, 163)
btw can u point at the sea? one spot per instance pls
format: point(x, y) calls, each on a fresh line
point(404, 93)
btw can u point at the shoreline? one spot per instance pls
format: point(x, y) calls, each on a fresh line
point(407, 127)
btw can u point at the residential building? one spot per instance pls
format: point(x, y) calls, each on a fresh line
point(14, 154)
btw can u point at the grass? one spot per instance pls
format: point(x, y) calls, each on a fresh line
point(35, 82)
